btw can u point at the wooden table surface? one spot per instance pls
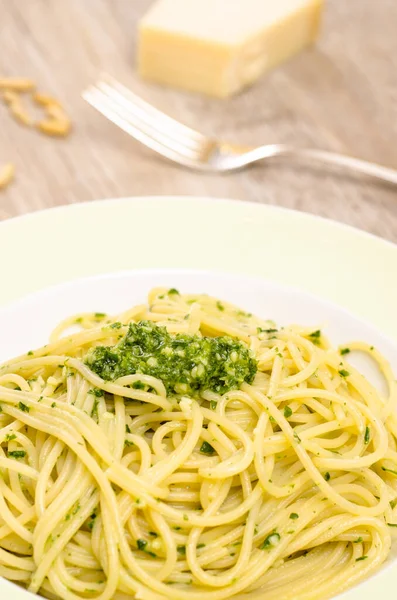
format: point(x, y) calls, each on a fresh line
point(340, 95)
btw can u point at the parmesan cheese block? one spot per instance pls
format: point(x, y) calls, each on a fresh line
point(218, 47)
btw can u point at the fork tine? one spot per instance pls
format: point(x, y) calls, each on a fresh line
point(162, 124)
point(153, 126)
point(150, 127)
point(137, 129)
point(157, 127)
point(149, 112)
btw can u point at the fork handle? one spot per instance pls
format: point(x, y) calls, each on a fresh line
point(356, 165)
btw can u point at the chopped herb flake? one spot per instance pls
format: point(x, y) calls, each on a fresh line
point(294, 516)
point(97, 392)
point(297, 438)
point(23, 407)
point(91, 523)
point(315, 334)
point(271, 541)
point(206, 448)
point(138, 385)
point(343, 373)
point(287, 412)
point(315, 337)
point(17, 454)
point(345, 351)
point(367, 435)
point(141, 544)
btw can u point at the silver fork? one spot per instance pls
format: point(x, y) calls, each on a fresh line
point(190, 148)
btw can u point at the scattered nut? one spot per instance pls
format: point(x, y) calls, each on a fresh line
point(10, 97)
point(7, 173)
point(18, 111)
point(20, 114)
point(45, 99)
point(55, 127)
point(16, 84)
point(56, 122)
point(55, 111)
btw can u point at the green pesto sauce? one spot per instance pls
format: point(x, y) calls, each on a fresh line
point(184, 363)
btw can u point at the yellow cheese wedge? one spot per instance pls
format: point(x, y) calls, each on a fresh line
point(218, 47)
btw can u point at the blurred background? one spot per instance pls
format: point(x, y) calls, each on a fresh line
point(339, 95)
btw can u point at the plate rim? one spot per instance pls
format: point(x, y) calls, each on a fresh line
point(55, 289)
point(189, 198)
point(384, 580)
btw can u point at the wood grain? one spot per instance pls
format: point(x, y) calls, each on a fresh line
point(340, 95)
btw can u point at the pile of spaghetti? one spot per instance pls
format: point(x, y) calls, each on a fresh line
point(279, 481)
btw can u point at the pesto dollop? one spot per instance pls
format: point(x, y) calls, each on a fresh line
point(184, 363)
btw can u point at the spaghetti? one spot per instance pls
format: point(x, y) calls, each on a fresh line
point(284, 486)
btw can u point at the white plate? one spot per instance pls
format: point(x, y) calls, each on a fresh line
point(354, 269)
point(37, 314)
